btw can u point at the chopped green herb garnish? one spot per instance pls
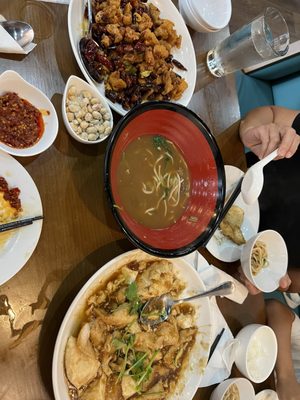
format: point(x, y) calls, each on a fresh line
point(131, 294)
point(161, 143)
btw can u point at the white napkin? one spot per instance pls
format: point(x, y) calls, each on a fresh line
point(9, 45)
point(213, 276)
point(220, 364)
point(222, 359)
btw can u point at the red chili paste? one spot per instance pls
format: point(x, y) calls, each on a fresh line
point(21, 124)
point(11, 195)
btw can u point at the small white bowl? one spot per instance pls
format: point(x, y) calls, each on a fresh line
point(11, 81)
point(82, 85)
point(256, 352)
point(213, 14)
point(245, 388)
point(267, 280)
point(267, 394)
point(191, 19)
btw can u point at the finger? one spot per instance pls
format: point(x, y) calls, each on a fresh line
point(289, 141)
point(274, 140)
point(285, 282)
point(262, 136)
point(293, 148)
point(251, 288)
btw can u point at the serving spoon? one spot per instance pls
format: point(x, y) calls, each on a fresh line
point(253, 180)
point(158, 309)
point(87, 41)
point(21, 31)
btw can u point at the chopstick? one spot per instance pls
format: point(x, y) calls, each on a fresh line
point(228, 204)
point(215, 343)
point(19, 223)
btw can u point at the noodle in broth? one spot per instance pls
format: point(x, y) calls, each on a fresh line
point(153, 181)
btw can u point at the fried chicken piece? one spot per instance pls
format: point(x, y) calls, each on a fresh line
point(231, 225)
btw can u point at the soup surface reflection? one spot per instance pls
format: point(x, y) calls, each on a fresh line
point(153, 181)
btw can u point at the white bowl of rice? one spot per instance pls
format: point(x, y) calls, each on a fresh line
point(256, 352)
point(234, 389)
point(264, 260)
point(267, 394)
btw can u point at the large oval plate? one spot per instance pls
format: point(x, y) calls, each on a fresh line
point(221, 247)
point(185, 55)
point(17, 249)
point(190, 380)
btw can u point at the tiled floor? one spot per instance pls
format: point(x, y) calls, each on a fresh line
point(244, 10)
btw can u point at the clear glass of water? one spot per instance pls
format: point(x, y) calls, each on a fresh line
point(264, 38)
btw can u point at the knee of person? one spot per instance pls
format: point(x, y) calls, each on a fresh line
point(276, 308)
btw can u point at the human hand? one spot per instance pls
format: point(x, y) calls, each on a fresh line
point(284, 283)
point(263, 139)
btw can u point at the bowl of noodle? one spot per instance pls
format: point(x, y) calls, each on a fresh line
point(165, 179)
point(264, 260)
point(234, 389)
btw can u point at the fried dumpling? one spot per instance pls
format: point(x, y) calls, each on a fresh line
point(231, 225)
point(81, 366)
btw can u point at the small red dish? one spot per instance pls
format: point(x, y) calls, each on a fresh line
point(207, 178)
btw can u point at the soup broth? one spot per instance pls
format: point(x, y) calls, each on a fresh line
point(153, 181)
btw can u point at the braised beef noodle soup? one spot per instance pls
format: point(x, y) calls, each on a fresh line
point(153, 181)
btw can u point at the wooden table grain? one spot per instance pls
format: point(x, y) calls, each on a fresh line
point(79, 232)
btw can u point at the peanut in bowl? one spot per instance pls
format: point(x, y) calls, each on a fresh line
point(86, 114)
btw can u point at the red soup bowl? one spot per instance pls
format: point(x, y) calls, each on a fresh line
point(206, 192)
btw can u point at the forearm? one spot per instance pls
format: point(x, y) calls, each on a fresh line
point(266, 128)
point(267, 115)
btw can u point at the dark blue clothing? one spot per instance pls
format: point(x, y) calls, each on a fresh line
point(280, 199)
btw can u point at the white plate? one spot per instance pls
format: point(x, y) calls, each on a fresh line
point(185, 55)
point(17, 250)
point(191, 379)
point(10, 81)
point(221, 247)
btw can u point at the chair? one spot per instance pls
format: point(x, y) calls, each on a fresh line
point(275, 82)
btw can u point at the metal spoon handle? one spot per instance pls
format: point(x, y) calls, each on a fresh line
point(221, 290)
point(90, 16)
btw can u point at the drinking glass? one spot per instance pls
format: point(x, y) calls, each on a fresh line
point(264, 38)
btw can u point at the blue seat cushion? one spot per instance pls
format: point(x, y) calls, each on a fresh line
point(279, 69)
point(252, 92)
point(286, 92)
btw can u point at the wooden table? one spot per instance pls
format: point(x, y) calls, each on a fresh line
point(79, 232)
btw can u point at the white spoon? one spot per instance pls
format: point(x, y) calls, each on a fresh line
point(254, 179)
